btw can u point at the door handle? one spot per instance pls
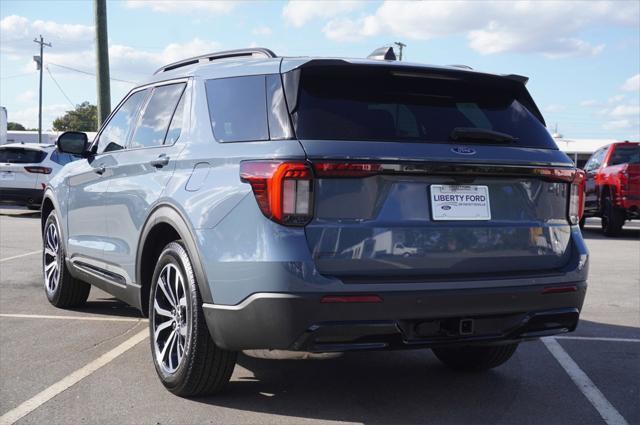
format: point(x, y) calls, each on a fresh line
point(160, 162)
point(100, 170)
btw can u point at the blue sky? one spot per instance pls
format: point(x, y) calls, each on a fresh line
point(583, 58)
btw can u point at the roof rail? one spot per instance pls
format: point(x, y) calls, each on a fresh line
point(462, 66)
point(254, 51)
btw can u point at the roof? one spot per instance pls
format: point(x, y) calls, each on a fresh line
point(237, 63)
point(32, 146)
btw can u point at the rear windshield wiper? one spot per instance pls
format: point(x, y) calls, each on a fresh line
point(479, 135)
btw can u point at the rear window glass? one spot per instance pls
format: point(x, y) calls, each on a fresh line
point(625, 154)
point(21, 156)
point(351, 103)
point(238, 108)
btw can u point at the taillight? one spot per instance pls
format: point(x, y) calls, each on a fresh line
point(348, 169)
point(38, 170)
point(576, 197)
point(283, 190)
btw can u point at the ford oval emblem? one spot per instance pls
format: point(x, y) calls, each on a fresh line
point(463, 150)
point(446, 207)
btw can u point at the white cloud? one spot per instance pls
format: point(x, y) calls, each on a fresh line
point(183, 6)
point(27, 96)
point(589, 103)
point(262, 30)
point(17, 34)
point(298, 13)
point(625, 111)
point(617, 125)
point(29, 116)
point(632, 84)
point(554, 108)
point(550, 28)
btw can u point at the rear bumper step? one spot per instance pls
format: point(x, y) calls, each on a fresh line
point(401, 320)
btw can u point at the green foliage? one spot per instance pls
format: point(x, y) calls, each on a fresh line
point(83, 118)
point(14, 126)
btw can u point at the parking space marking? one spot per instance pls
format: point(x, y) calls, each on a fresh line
point(609, 413)
point(103, 319)
point(39, 399)
point(2, 260)
point(597, 338)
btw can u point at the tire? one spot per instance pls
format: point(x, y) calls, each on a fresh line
point(475, 358)
point(612, 217)
point(186, 359)
point(62, 289)
point(582, 222)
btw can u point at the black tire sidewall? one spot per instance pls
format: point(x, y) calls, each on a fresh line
point(175, 254)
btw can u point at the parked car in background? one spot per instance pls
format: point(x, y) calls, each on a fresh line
point(248, 201)
point(612, 189)
point(25, 170)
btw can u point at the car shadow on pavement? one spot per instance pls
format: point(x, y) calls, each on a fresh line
point(594, 232)
point(406, 386)
point(108, 306)
point(20, 213)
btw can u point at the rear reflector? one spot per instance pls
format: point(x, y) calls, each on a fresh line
point(559, 289)
point(38, 170)
point(351, 299)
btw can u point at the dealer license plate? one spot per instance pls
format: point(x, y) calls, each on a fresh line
point(460, 202)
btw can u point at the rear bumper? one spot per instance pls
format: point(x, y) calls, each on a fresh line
point(401, 320)
point(21, 196)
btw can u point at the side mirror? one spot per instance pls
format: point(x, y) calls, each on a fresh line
point(73, 142)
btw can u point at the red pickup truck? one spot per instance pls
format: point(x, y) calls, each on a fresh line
point(612, 189)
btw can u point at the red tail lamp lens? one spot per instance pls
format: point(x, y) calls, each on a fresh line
point(283, 190)
point(38, 170)
point(346, 169)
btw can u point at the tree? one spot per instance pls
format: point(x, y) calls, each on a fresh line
point(14, 126)
point(83, 118)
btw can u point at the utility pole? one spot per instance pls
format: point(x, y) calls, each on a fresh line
point(102, 60)
point(400, 45)
point(40, 63)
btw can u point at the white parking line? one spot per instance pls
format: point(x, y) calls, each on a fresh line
point(609, 413)
point(597, 338)
point(39, 399)
point(44, 316)
point(20, 256)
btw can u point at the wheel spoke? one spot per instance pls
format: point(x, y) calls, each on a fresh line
point(162, 284)
point(50, 252)
point(49, 266)
point(160, 328)
point(161, 311)
point(166, 345)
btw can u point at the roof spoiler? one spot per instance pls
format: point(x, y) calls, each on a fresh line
point(515, 77)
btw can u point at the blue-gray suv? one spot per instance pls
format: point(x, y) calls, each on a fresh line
point(247, 201)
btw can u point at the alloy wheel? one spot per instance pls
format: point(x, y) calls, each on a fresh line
point(171, 318)
point(51, 258)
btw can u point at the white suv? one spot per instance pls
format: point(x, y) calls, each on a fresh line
point(25, 170)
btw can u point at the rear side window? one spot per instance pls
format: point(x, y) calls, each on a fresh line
point(62, 158)
point(21, 156)
point(156, 116)
point(368, 103)
point(116, 133)
point(625, 154)
point(238, 108)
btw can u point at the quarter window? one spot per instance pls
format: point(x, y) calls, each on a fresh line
point(238, 108)
point(155, 119)
point(115, 134)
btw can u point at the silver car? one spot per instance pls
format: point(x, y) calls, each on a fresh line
point(247, 201)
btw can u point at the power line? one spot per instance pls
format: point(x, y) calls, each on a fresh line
point(60, 88)
point(89, 73)
point(17, 75)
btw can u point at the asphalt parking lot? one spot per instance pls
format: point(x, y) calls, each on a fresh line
point(93, 365)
